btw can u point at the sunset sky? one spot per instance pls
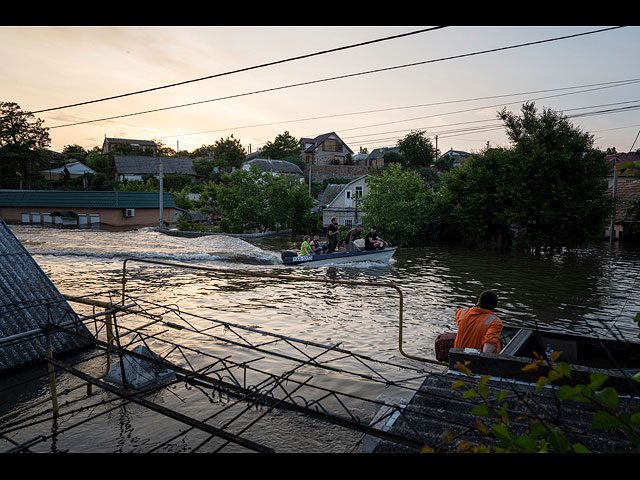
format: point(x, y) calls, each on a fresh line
point(453, 98)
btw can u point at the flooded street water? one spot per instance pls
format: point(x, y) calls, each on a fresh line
point(593, 291)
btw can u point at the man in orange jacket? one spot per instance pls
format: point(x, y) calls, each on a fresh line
point(478, 326)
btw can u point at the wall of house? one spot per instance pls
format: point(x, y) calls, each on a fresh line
point(115, 217)
point(322, 172)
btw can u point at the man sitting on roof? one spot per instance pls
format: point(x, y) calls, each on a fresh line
point(478, 326)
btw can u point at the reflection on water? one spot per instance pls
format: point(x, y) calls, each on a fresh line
point(590, 290)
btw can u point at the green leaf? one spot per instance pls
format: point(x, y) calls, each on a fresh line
point(526, 444)
point(608, 397)
point(604, 421)
point(480, 411)
point(564, 368)
point(558, 441)
point(597, 380)
point(579, 448)
point(500, 432)
point(469, 394)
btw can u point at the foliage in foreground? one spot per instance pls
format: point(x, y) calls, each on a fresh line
point(495, 424)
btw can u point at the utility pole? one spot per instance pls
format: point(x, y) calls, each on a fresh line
point(613, 215)
point(160, 200)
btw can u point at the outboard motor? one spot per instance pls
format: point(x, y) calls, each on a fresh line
point(288, 254)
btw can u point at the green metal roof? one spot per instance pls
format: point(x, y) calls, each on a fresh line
point(83, 199)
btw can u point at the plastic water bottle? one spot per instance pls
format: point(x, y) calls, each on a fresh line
point(548, 352)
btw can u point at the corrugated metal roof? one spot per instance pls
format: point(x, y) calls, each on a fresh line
point(84, 199)
point(28, 300)
point(146, 165)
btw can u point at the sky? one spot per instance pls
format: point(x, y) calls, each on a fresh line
point(441, 80)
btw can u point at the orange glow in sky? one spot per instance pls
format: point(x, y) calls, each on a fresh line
point(453, 98)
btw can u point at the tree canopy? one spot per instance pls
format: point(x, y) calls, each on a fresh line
point(549, 187)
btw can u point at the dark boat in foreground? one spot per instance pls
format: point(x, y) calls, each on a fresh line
point(618, 359)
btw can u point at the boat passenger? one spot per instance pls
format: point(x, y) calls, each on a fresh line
point(305, 248)
point(352, 236)
point(341, 248)
point(316, 247)
point(372, 241)
point(478, 326)
point(332, 234)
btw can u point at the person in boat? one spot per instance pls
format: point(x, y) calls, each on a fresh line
point(372, 241)
point(352, 236)
point(478, 326)
point(316, 247)
point(341, 247)
point(332, 234)
point(305, 248)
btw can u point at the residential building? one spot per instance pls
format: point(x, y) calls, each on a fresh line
point(276, 167)
point(326, 149)
point(109, 144)
point(86, 208)
point(134, 167)
point(346, 205)
point(457, 156)
point(627, 191)
point(376, 157)
point(73, 170)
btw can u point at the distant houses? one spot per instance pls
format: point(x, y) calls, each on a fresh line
point(325, 149)
point(627, 190)
point(135, 167)
point(110, 144)
point(279, 168)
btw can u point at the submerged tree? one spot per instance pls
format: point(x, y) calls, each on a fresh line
point(550, 186)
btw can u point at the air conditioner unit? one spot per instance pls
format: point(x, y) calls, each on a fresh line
point(129, 212)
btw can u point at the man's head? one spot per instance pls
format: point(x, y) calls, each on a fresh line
point(334, 220)
point(372, 229)
point(360, 227)
point(488, 300)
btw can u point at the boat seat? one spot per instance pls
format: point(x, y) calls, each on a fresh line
point(519, 339)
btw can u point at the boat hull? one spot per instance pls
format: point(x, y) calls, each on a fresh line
point(378, 256)
point(617, 359)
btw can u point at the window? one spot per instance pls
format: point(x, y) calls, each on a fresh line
point(358, 193)
point(331, 146)
point(348, 222)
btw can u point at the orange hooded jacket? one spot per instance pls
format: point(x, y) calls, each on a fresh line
point(477, 326)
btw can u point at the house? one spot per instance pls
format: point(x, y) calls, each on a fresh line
point(73, 170)
point(86, 208)
point(29, 302)
point(109, 144)
point(346, 206)
point(457, 156)
point(376, 157)
point(326, 149)
point(627, 191)
point(280, 168)
point(134, 167)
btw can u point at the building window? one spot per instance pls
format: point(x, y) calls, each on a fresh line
point(332, 146)
point(358, 193)
point(348, 222)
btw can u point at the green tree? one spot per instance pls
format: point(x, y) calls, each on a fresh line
point(229, 152)
point(417, 150)
point(23, 139)
point(398, 204)
point(284, 146)
point(550, 186)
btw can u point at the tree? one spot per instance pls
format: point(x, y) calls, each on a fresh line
point(284, 146)
point(398, 204)
point(550, 186)
point(23, 139)
point(229, 152)
point(417, 150)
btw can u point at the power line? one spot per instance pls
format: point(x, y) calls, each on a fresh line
point(602, 85)
point(246, 69)
point(379, 70)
